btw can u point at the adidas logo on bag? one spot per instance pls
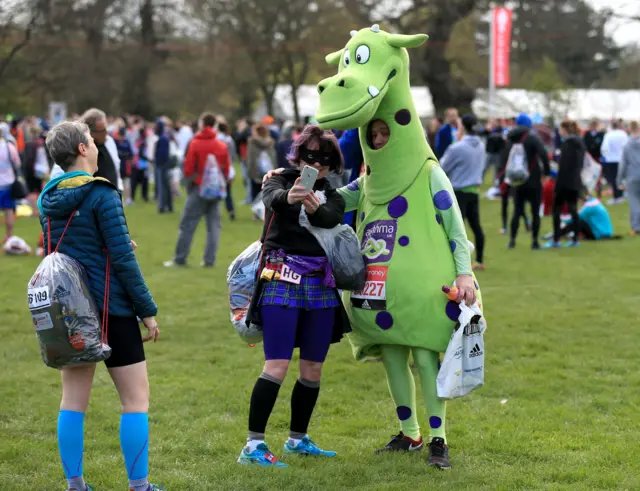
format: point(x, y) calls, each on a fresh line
point(60, 292)
point(475, 351)
point(365, 305)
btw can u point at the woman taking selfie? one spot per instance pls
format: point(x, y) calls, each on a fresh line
point(296, 301)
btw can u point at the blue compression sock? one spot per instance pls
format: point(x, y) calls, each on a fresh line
point(134, 440)
point(71, 442)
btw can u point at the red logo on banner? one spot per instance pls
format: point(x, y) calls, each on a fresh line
point(502, 20)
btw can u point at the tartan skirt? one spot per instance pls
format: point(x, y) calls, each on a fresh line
point(310, 294)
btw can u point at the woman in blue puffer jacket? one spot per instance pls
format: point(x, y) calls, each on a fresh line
point(98, 230)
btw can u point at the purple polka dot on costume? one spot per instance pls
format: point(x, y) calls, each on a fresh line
point(435, 422)
point(403, 117)
point(404, 413)
point(362, 216)
point(354, 186)
point(384, 320)
point(398, 207)
point(475, 283)
point(403, 241)
point(438, 219)
point(443, 200)
point(368, 170)
point(453, 310)
point(453, 245)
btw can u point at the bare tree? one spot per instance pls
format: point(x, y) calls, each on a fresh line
point(10, 27)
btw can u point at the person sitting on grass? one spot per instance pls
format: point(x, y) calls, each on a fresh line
point(99, 230)
point(295, 301)
point(594, 222)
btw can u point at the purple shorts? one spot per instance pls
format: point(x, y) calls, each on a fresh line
point(281, 326)
point(6, 201)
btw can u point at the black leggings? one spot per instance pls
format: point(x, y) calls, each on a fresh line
point(506, 196)
point(583, 228)
point(469, 204)
point(523, 195)
point(569, 197)
point(610, 172)
point(139, 178)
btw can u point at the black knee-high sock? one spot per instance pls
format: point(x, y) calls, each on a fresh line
point(263, 398)
point(303, 400)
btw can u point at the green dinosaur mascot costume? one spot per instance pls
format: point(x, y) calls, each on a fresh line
point(411, 230)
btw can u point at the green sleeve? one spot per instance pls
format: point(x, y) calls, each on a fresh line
point(351, 194)
point(452, 221)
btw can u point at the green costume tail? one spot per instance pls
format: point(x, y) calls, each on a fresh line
point(403, 389)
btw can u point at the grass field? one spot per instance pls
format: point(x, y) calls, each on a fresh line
point(560, 350)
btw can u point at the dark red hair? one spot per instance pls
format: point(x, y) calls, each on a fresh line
point(327, 143)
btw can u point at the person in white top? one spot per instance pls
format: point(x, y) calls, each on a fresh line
point(614, 141)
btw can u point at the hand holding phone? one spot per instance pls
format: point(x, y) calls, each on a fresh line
point(303, 185)
point(308, 177)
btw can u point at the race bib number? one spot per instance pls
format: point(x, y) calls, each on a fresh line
point(374, 294)
point(42, 321)
point(289, 275)
point(38, 297)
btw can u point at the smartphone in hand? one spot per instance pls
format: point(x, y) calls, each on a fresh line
point(308, 177)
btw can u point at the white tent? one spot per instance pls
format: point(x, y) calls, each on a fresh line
point(581, 105)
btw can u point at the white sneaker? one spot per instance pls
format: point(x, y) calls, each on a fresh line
point(172, 264)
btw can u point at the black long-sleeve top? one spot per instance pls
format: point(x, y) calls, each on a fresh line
point(283, 231)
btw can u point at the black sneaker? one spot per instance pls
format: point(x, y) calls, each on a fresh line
point(438, 454)
point(402, 443)
point(535, 246)
point(512, 244)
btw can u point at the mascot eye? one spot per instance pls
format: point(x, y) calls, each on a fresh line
point(347, 58)
point(362, 54)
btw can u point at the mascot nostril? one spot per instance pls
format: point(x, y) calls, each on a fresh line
point(320, 89)
point(341, 83)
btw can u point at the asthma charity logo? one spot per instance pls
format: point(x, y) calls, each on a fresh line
point(378, 240)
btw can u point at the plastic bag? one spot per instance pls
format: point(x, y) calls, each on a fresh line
point(342, 247)
point(462, 369)
point(241, 280)
point(591, 172)
point(16, 246)
point(257, 207)
point(65, 316)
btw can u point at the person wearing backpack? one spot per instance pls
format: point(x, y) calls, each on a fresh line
point(568, 181)
point(522, 143)
point(206, 156)
point(82, 217)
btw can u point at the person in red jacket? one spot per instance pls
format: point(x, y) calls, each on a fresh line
point(204, 149)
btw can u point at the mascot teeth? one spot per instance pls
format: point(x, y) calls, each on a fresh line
point(373, 92)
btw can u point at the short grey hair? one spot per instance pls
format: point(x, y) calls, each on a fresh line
point(92, 116)
point(63, 141)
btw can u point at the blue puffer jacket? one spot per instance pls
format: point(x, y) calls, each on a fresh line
point(98, 227)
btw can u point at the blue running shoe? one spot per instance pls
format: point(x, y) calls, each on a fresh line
point(260, 456)
point(552, 245)
point(572, 243)
point(307, 447)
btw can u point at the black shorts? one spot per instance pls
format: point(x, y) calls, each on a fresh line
point(125, 339)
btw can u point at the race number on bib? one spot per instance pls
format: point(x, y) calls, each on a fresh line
point(374, 294)
point(38, 297)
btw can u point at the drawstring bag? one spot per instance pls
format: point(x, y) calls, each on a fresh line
point(342, 248)
point(241, 280)
point(462, 368)
point(65, 316)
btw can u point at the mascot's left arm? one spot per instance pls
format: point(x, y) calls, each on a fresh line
point(452, 221)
